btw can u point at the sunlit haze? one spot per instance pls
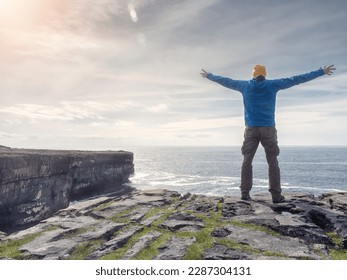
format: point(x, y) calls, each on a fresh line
point(111, 74)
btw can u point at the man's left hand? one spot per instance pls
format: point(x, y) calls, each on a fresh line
point(329, 70)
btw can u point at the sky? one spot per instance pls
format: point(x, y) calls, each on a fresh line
point(111, 74)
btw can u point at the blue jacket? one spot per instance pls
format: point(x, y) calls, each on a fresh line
point(259, 97)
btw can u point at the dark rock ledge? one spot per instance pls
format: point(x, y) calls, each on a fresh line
point(35, 184)
point(161, 224)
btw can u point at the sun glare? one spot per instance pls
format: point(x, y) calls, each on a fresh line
point(14, 13)
point(5, 4)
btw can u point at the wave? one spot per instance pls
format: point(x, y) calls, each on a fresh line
point(172, 179)
point(212, 185)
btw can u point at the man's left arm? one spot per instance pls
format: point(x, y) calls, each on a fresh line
point(299, 79)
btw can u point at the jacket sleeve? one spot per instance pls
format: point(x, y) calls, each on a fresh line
point(296, 80)
point(227, 82)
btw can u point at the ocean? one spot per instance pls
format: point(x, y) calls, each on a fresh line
point(216, 170)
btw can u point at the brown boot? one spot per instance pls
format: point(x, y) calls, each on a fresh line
point(278, 198)
point(245, 196)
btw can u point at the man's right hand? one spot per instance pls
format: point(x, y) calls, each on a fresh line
point(204, 73)
point(329, 70)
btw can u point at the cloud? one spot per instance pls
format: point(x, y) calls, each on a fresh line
point(159, 108)
point(70, 110)
point(41, 112)
point(201, 124)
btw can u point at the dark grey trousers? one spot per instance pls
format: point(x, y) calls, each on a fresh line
point(267, 136)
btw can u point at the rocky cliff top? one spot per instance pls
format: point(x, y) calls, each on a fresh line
point(161, 224)
point(7, 151)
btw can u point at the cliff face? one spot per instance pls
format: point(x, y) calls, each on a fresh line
point(34, 184)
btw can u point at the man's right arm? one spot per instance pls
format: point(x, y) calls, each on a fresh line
point(226, 82)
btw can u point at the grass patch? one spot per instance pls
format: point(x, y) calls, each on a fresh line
point(120, 217)
point(10, 248)
point(204, 240)
point(118, 253)
point(161, 220)
point(153, 211)
point(203, 237)
point(76, 232)
point(104, 205)
point(339, 253)
point(83, 250)
point(338, 241)
point(254, 227)
point(237, 246)
point(152, 250)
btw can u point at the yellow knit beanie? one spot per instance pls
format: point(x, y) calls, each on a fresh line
point(259, 70)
